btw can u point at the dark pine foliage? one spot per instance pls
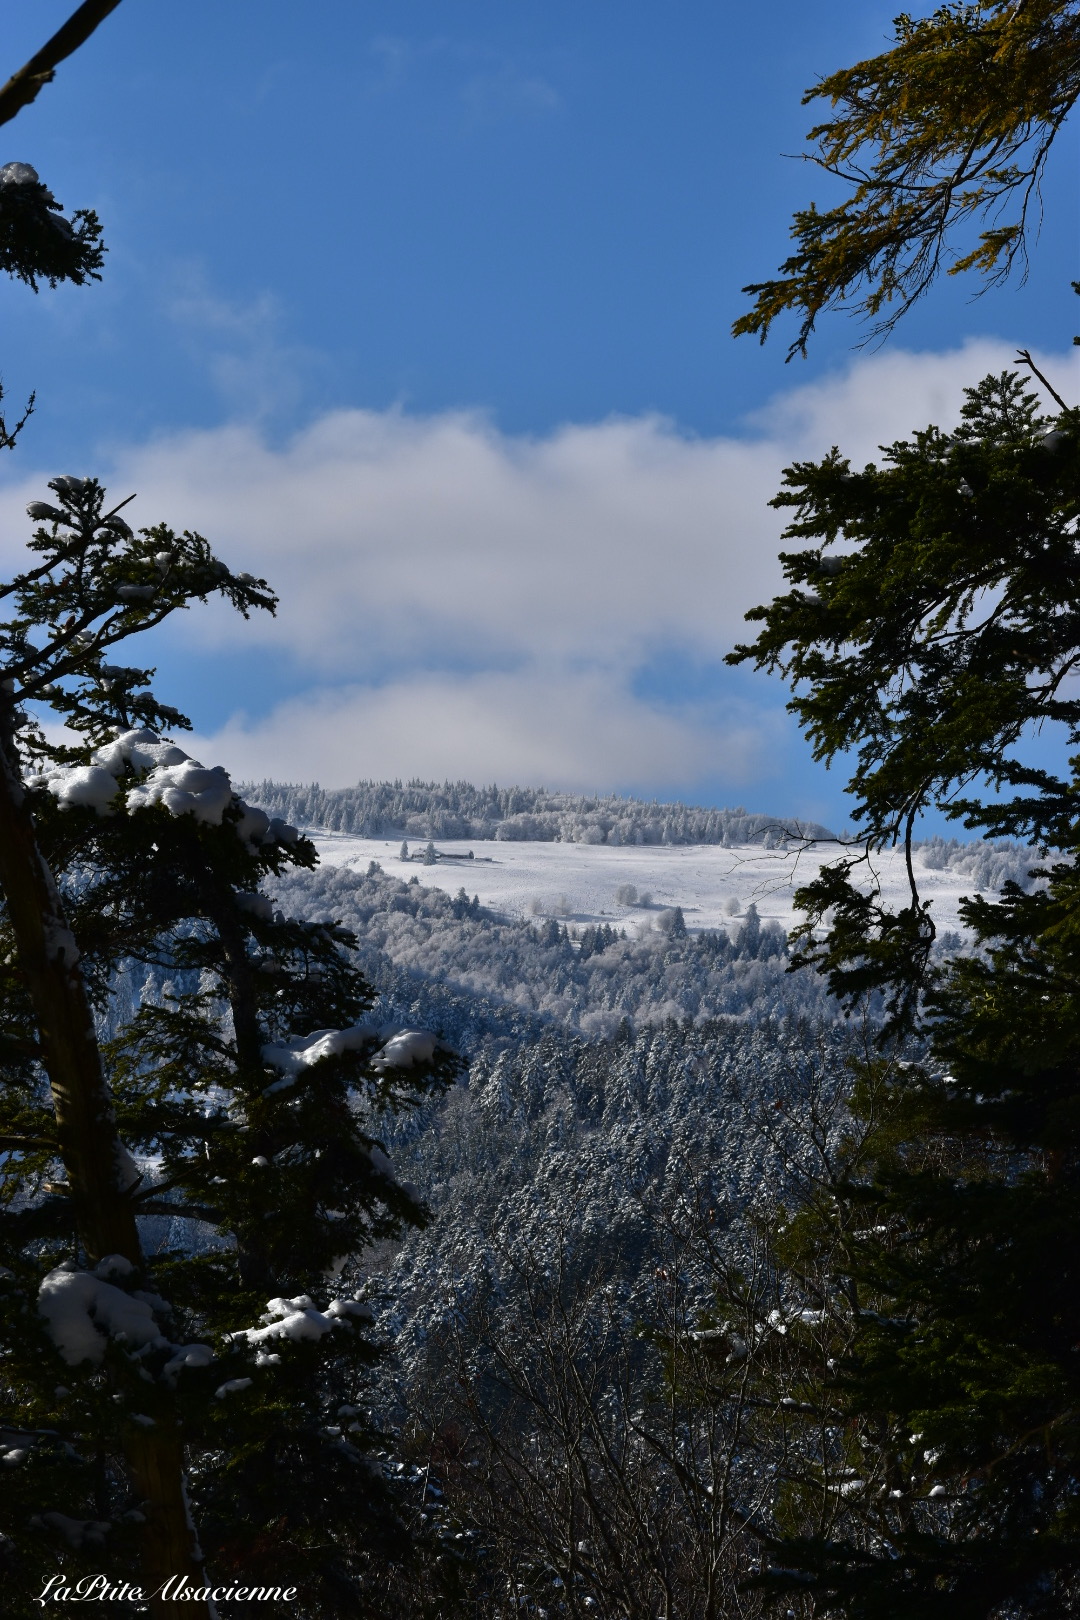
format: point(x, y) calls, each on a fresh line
point(932, 624)
point(266, 1172)
point(37, 242)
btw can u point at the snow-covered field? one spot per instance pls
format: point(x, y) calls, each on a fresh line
point(580, 883)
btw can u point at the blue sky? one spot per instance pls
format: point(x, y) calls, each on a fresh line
point(424, 307)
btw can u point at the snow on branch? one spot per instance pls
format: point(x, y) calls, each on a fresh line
point(166, 776)
point(299, 1319)
point(402, 1049)
point(83, 1310)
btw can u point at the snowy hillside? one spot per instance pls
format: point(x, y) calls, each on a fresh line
point(449, 964)
point(630, 887)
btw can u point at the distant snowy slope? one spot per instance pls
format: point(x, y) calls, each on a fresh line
point(632, 886)
point(649, 844)
point(587, 922)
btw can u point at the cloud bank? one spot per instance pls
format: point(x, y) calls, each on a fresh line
point(458, 602)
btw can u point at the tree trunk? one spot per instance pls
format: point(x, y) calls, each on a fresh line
point(170, 1546)
point(89, 1146)
point(253, 1262)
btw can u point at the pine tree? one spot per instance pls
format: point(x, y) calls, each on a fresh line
point(49, 1006)
point(749, 937)
point(939, 1468)
point(241, 1102)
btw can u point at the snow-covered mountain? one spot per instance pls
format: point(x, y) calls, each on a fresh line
point(636, 1046)
point(587, 913)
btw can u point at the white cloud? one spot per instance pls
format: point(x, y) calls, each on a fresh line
point(887, 395)
point(542, 727)
point(506, 91)
point(489, 85)
point(393, 539)
point(457, 601)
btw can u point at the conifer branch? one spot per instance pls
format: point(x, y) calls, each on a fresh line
point(951, 125)
point(188, 1212)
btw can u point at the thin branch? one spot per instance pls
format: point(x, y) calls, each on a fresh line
point(8, 435)
point(23, 86)
point(65, 552)
point(1024, 355)
point(185, 1212)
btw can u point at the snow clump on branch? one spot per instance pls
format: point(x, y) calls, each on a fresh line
point(402, 1049)
point(82, 1310)
point(406, 1048)
point(169, 777)
point(298, 1319)
point(78, 1533)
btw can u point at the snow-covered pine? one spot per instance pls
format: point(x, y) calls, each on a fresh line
point(114, 1355)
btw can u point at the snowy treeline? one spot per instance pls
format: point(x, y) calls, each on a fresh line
point(459, 810)
point(991, 863)
point(590, 984)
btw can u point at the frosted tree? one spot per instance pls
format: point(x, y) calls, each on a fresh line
point(750, 932)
